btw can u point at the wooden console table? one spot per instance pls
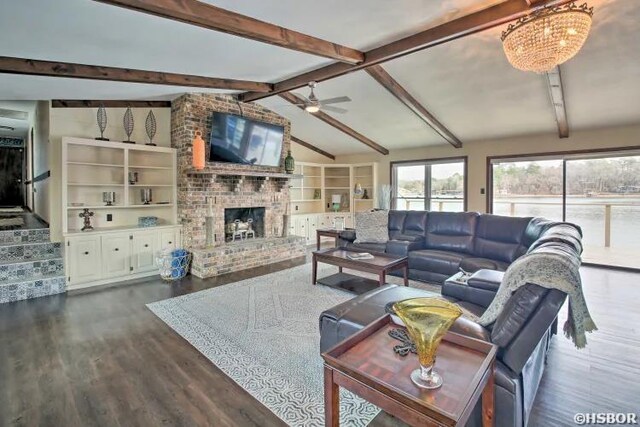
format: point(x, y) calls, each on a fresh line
point(366, 365)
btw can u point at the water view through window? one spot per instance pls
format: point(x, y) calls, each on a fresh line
point(602, 197)
point(435, 186)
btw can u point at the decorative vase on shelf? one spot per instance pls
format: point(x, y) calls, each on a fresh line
point(365, 195)
point(128, 124)
point(150, 126)
point(101, 118)
point(427, 320)
point(289, 163)
point(198, 151)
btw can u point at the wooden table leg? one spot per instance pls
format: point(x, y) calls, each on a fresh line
point(383, 278)
point(405, 271)
point(339, 269)
point(314, 274)
point(317, 241)
point(331, 399)
point(488, 397)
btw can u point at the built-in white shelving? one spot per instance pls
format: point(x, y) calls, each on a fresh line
point(90, 167)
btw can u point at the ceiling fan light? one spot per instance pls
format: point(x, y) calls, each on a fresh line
point(543, 34)
point(312, 108)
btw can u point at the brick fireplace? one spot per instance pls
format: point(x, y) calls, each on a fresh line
point(229, 189)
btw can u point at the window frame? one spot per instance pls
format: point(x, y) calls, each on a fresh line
point(427, 190)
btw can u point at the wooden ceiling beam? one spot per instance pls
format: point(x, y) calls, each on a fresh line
point(396, 89)
point(299, 102)
point(35, 67)
point(312, 147)
point(214, 18)
point(108, 103)
point(556, 95)
point(473, 23)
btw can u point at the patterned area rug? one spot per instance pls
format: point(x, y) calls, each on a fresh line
point(263, 333)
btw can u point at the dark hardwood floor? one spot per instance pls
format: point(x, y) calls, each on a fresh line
point(102, 358)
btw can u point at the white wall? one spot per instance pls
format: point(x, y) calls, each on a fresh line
point(81, 123)
point(478, 151)
point(303, 154)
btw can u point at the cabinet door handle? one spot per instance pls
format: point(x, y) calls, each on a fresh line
point(116, 249)
point(170, 242)
point(146, 245)
point(86, 253)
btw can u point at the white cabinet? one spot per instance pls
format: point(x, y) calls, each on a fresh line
point(102, 257)
point(169, 239)
point(84, 256)
point(116, 255)
point(144, 247)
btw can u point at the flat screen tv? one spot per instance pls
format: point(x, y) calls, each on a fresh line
point(236, 139)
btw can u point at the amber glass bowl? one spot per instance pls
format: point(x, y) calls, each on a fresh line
point(427, 320)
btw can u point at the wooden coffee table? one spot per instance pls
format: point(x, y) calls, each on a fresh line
point(366, 365)
point(380, 265)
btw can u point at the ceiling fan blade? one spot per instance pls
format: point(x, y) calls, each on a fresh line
point(336, 100)
point(289, 105)
point(334, 109)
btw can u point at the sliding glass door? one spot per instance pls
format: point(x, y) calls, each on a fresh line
point(437, 185)
point(528, 188)
point(599, 192)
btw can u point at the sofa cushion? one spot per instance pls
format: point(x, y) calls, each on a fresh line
point(372, 227)
point(396, 223)
point(451, 231)
point(415, 223)
point(402, 247)
point(516, 312)
point(442, 262)
point(500, 237)
point(473, 264)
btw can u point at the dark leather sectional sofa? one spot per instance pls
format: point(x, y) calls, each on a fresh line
point(437, 244)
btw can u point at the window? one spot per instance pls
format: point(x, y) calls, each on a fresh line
point(436, 185)
point(599, 191)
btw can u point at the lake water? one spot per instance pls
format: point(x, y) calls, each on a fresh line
point(587, 212)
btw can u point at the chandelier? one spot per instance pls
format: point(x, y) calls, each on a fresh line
point(547, 37)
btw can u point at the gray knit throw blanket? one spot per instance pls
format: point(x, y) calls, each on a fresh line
point(552, 267)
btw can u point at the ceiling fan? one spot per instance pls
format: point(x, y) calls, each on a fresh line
point(312, 104)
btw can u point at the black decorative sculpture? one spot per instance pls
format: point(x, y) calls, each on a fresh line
point(128, 123)
point(101, 117)
point(407, 345)
point(150, 126)
point(86, 216)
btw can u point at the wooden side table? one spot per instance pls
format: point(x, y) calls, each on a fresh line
point(327, 232)
point(366, 365)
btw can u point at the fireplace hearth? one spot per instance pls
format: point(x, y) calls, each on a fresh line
point(243, 223)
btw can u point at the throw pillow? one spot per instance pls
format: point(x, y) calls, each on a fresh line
point(372, 227)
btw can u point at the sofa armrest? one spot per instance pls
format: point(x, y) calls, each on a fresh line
point(346, 236)
point(488, 280)
point(469, 328)
point(402, 247)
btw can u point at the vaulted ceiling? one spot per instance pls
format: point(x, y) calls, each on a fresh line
point(467, 84)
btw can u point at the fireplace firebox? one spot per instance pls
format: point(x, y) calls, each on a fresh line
point(243, 223)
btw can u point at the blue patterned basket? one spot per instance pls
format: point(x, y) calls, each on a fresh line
point(174, 264)
point(147, 221)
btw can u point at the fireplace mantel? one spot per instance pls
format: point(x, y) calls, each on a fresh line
point(259, 174)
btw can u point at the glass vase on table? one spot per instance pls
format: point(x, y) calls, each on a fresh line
point(427, 320)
